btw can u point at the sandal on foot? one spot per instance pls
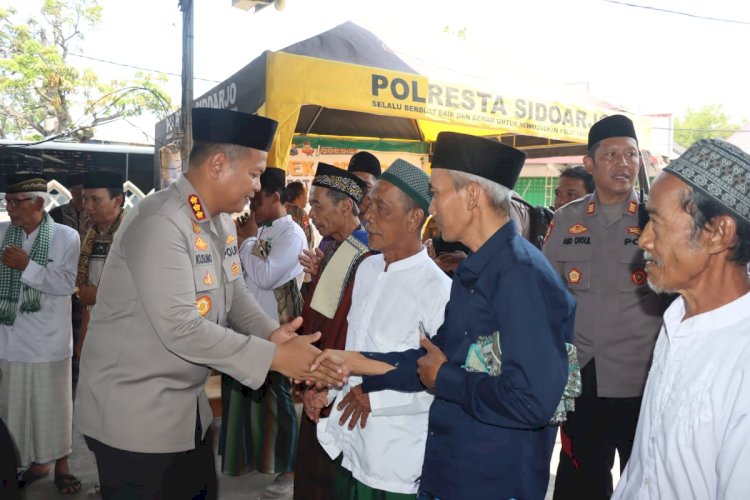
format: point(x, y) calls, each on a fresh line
point(28, 476)
point(67, 484)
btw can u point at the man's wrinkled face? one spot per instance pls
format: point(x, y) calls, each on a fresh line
point(327, 216)
point(675, 254)
point(614, 166)
point(567, 190)
point(386, 222)
point(447, 205)
point(23, 209)
point(100, 207)
point(239, 180)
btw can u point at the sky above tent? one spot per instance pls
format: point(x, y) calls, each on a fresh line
point(649, 61)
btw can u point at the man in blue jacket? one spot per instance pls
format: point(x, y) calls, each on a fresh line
point(498, 364)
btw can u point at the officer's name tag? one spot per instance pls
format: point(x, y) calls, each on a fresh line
point(202, 259)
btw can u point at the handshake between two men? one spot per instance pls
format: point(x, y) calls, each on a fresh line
point(298, 358)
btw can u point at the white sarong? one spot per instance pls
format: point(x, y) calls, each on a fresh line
point(36, 403)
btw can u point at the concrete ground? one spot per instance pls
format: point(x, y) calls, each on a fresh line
point(247, 487)
point(82, 464)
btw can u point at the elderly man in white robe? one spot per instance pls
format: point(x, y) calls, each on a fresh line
point(38, 259)
point(399, 295)
point(693, 435)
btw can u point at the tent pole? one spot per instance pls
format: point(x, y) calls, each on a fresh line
point(315, 119)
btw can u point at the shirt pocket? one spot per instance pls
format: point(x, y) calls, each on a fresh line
point(632, 275)
point(576, 261)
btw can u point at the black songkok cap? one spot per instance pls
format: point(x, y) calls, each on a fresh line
point(74, 179)
point(340, 180)
point(25, 183)
point(611, 126)
point(480, 156)
point(223, 126)
point(365, 162)
point(273, 179)
point(108, 180)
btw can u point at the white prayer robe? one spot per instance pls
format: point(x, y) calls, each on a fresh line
point(45, 335)
point(261, 275)
point(387, 307)
point(693, 437)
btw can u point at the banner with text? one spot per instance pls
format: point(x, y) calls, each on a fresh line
point(436, 106)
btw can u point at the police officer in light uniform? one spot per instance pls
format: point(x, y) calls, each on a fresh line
point(171, 282)
point(593, 245)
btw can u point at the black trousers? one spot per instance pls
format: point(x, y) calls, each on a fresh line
point(128, 475)
point(8, 464)
point(597, 428)
point(76, 309)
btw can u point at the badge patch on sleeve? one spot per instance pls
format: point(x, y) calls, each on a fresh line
point(236, 269)
point(208, 279)
point(200, 243)
point(577, 229)
point(574, 276)
point(231, 239)
point(639, 277)
point(203, 304)
point(634, 230)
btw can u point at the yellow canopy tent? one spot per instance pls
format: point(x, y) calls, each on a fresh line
point(294, 81)
point(344, 83)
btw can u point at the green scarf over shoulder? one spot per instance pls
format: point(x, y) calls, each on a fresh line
point(11, 287)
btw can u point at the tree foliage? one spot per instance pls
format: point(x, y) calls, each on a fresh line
point(41, 92)
point(708, 122)
point(458, 33)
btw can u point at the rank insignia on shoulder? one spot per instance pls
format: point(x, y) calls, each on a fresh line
point(195, 205)
point(634, 230)
point(236, 269)
point(632, 207)
point(203, 304)
point(577, 229)
point(574, 276)
point(196, 227)
point(639, 277)
point(208, 279)
point(591, 208)
point(200, 243)
point(231, 239)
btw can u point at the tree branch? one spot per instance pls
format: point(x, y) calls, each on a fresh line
point(18, 116)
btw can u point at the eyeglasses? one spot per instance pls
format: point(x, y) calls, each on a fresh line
point(15, 202)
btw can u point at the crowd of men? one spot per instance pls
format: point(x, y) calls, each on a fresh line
point(626, 333)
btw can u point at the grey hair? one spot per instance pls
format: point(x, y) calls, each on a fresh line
point(498, 195)
point(40, 194)
point(337, 197)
